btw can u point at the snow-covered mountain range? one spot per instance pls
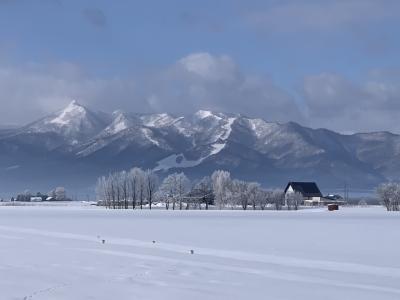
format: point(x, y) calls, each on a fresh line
point(75, 145)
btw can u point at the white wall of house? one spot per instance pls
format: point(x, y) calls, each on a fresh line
point(290, 190)
point(36, 199)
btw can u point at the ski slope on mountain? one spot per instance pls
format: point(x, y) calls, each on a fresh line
point(58, 253)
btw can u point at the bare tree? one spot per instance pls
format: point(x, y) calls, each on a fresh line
point(151, 181)
point(134, 179)
point(141, 189)
point(396, 199)
point(204, 186)
point(108, 194)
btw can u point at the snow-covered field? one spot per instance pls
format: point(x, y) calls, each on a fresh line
point(56, 252)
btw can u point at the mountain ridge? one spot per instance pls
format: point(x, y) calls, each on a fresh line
point(77, 144)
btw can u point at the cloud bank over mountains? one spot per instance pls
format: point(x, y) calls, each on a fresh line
point(206, 81)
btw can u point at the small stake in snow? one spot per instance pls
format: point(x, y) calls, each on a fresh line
point(191, 251)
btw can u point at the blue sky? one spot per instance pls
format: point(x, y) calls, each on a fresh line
point(315, 62)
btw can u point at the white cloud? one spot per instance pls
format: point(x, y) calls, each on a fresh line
point(31, 91)
point(205, 81)
point(341, 104)
point(197, 81)
point(210, 67)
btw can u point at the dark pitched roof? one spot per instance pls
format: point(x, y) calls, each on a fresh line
point(307, 189)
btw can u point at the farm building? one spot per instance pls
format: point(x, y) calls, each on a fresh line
point(36, 199)
point(309, 190)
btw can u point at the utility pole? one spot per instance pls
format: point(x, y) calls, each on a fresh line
point(346, 192)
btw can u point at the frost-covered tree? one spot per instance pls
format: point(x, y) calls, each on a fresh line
point(114, 189)
point(183, 186)
point(278, 198)
point(60, 193)
point(135, 176)
point(25, 196)
point(174, 187)
point(168, 190)
point(254, 193)
point(102, 190)
point(142, 190)
point(120, 188)
point(123, 181)
point(294, 200)
point(221, 182)
point(265, 197)
point(389, 195)
point(239, 191)
point(104, 185)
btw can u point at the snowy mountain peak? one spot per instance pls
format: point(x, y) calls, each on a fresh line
point(69, 114)
point(121, 122)
point(74, 102)
point(202, 114)
point(117, 112)
point(158, 120)
point(74, 123)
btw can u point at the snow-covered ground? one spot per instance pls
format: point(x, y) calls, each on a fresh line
point(57, 252)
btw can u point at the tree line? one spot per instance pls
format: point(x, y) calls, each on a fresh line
point(57, 194)
point(139, 188)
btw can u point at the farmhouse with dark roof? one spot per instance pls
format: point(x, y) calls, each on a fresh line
point(309, 190)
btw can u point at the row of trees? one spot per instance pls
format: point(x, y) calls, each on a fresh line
point(233, 192)
point(137, 187)
point(389, 195)
point(121, 189)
